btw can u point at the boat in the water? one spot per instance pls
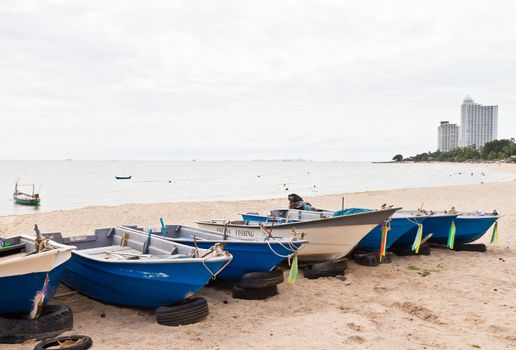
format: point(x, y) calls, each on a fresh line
point(398, 224)
point(122, 266)
point(329, 237)
point(30, 271)
point(249, 255)
point(123, 177)
point(25, 198)
point(469, 226)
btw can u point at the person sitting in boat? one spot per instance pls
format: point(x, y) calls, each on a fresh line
point(296, 202)
point(494, 212)
point(452, 211)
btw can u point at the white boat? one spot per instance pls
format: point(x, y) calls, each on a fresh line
point(328, 237)
point(28, 276)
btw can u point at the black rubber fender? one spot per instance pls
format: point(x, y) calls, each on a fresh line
point(258, 280)
point(185, 312)
point(54, 320)
point(254, 294)
point(77, 342)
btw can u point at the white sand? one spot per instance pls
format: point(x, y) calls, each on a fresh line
point(468, 300)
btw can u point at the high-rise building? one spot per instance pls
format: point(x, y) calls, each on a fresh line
point(479, 124)
point(448, 136)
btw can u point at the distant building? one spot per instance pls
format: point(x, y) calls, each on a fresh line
point(479, 124)
point(448, 136)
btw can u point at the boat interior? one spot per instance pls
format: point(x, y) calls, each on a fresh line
point(15, 246)
point(123, 243)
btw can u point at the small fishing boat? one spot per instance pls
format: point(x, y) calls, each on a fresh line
point(24, 198)
point(469, 226)
point(433, 225)
point(329, 237)
point(123, 177)
point(249, 255)
point(122, 266)
point(30, 271)
point(398, 224)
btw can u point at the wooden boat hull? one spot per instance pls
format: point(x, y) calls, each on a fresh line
point(329, 238)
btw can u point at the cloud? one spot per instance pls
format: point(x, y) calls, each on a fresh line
point(234, 80)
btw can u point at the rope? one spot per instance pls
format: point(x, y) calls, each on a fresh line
point(217, 248)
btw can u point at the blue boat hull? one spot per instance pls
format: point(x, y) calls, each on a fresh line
point(372, 241)
point(438, 226)
point(467, 230)
point(247, 257)
point(17, 293)
point(143, 285)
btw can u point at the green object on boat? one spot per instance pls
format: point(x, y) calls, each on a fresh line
point(292, 277)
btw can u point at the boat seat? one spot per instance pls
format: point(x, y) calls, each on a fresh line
point(12, 249)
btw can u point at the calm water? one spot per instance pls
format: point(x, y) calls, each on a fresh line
point(76, 184)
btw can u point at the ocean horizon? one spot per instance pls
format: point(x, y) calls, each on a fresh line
point(76, 184)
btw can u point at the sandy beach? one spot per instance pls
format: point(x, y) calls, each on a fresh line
point(467, 301)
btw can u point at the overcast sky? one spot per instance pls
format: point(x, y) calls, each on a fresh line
point(214, 80)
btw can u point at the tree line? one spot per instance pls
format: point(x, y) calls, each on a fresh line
point(504, 149)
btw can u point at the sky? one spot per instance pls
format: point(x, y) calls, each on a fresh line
point(241, 80)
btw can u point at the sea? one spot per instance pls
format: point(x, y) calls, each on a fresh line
point(70, 184)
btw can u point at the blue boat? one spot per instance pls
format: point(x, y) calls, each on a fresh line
point(29, 278)
point(399, 225)
point(249, 255)
point(468, 227)
point(435, 224)
point(127, 267)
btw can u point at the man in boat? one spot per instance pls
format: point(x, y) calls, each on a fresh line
point(296, 202)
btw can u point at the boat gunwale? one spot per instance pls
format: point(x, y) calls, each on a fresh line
point(231, 239)
point(83, 253)
point(59, 248)
point(332, 219)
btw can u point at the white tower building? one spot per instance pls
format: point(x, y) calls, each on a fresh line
point(448, 136)
point(479, 124)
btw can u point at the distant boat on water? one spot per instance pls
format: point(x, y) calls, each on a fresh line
point(123, 177)
point(23, 198)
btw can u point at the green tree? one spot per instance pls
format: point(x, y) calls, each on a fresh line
point(397, 157)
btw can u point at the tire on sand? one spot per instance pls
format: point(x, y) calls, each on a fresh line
point(254, 294)
point(325, 269)
point(257, 280)
point(72, 342)
point(54, 320)
point(185, 312)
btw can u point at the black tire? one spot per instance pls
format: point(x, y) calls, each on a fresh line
point(330, 266)
point(54, 320)
point(312, 274)
point(424, 249)
point(406, 250)
point(471, 247)
point(254, 294)
point(186, 312)
point(84, 345)
point(258, 280)
point(371, 259)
